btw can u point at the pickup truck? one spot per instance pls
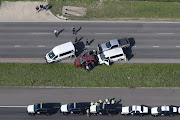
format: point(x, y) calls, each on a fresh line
point(103, 109)
point(43, 108)
point(123, 43)
point(76, 108)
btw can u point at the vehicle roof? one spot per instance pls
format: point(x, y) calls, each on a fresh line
point(63, 48)
point(114, 42)
point(165, 108)
point(113, 52)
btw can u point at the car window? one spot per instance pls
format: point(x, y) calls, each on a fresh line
point(142, 108)
point(81, 60)
point(102, 56)
point(114, 46)
point(159, 109)
point(55, 57)
point(51, 54)
point(108, 44)
point(130, 108)
point(65, 53)
point(116, 56)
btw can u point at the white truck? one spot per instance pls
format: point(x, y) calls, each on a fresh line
point(111, 55)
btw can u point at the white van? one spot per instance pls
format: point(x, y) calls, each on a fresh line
point(60, 52)
point(110, 56)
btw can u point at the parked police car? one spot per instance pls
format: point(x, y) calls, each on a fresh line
point(135, 110)
point(43, 108)
point(76, 108)
point(164, 110)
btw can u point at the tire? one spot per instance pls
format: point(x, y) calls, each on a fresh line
point(32, 114)
point(48, 114)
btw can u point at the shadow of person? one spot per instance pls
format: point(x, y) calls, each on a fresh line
point(48, 7)
point(60, 31)
point(78, 30)
point(91, 41)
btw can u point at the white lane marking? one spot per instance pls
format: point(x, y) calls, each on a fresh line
point(41, 33)
point(17, 46)
point(40, 46)
point(177, 46)
point(14, 106)
point(165, 33)
point(134, 46)
point(103, 33)
point(155, 46)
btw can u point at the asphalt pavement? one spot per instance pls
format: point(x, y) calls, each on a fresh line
point(13, 101)
point(150, 41)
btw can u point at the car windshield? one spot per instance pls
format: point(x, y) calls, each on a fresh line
point(69, 106)
point(102, 56)
point(51, 54)
point(130, 108)
point(159, 109)
point(81, 60)
point(97, 108)
point(36, 107)
point(108, 44)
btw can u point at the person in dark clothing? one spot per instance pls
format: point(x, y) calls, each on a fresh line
point(41, 6)
point(87, 43)
point(37, 8)
point(74, 30)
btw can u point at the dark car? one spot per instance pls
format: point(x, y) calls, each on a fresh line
point(84, 61)
point(43, 108)
point(76, 108)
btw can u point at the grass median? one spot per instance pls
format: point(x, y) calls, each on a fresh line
point(66, 74)
point(116, 9)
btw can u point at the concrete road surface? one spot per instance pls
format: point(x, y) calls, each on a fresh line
point(30, 41)
point(13, 101)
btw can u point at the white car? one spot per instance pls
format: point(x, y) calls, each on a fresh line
point(135, 110)
point(164, 110)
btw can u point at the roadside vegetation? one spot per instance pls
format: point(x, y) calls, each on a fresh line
point(117, 9)
point(65, 74)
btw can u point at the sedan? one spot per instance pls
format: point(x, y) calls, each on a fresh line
point(135, 110)
point(164, 110)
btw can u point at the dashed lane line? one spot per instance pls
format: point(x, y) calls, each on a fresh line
point(13, 106)
point(17, 46)
point(103, 33)
point(165, 33)
point(41, 46)
point(155, 46)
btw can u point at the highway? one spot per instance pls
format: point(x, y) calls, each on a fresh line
point(13, 101)
point(32, 40)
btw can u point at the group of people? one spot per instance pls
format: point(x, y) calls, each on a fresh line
point(42, 7)
point(106, 101)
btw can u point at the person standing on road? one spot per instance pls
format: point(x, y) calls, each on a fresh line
point(56, 32)
point(74, 30)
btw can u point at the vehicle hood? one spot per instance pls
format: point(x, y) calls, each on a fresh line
point(154, 110)
point(179, 110)
point(125, 110)
point(104, 47)
point(30, 109)
point(93, 109)
point(77, 62)
point(64, 108)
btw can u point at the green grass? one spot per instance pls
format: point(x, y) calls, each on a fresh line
point(117, 9)
point(64, 74)
point(113, 9)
